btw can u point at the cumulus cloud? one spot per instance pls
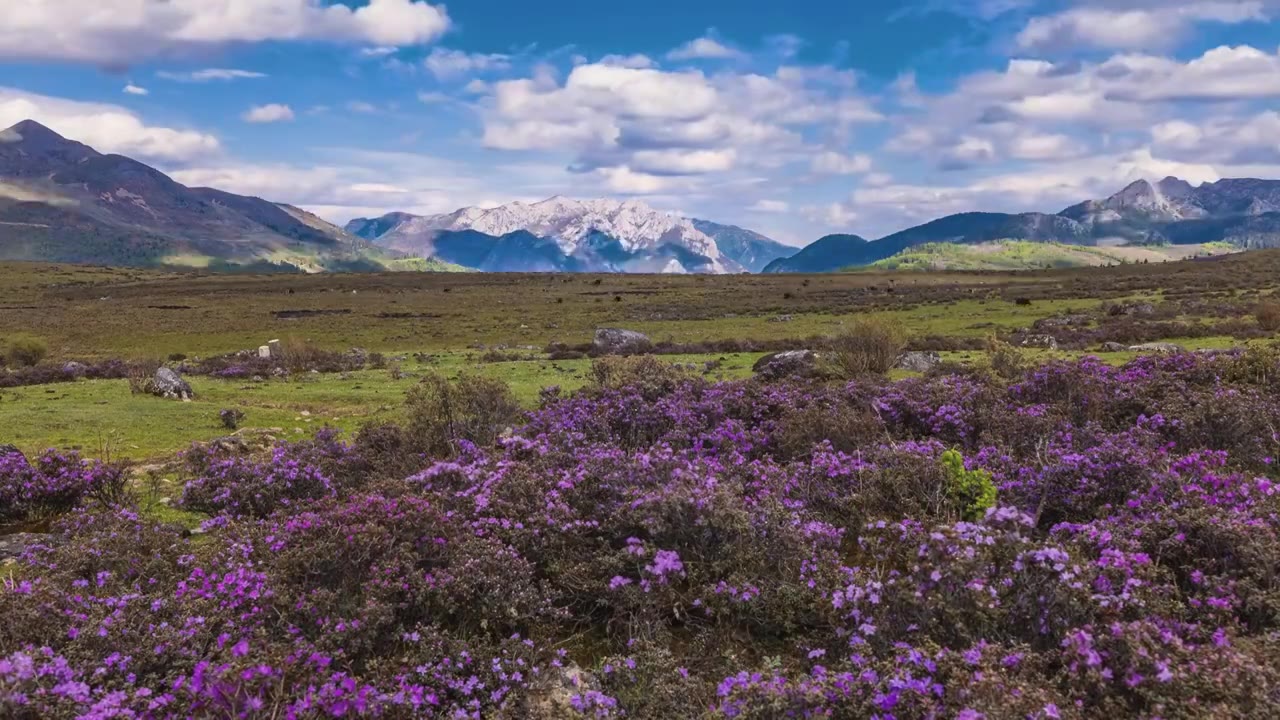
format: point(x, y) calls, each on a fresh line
point(107, 128)
point(274, 112)
point(115, 32)
point(704, 48)
point(448, 64)
point(628, 61)
point(665, 123)
point(834, 163)
point(1224, 140)
point(770, 206)
point(210, 74)
point(1132, 27)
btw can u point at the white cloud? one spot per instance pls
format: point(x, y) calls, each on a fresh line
point(378, 51)
point(118, 32)
point(834, 163)
point(684, 162)
point(448, 64)
point(107, 128)
point(770, 206)
point(271, 113)
point(628, 61)
point(704, 48)
point(210, 74)
point(665, 123)
point(1132, 28)
point(1223, 73)
point(831, 215)
point(131, 89)
point(360, 106)
point(1225, 140)
point(629, 182)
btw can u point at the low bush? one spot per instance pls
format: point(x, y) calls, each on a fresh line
point(1267, 314)
point(24, 351)
point(865, 347)
point(444, 413)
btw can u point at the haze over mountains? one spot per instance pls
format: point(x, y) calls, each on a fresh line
point(1243, 212)
point(561, 234)
point(61, 200)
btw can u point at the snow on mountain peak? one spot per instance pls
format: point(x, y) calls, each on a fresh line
point(633, 223)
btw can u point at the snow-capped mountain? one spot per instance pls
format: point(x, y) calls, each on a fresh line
point(606, 235)
point(1169, 200)
point(1244, 212)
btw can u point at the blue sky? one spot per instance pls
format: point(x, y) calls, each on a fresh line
point(796, 119)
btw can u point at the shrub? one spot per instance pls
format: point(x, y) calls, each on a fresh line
point(54, 484)
point(974, 489)
point(25, 351)
point(649, 374)
point(442, 413)
point(868, 346)
point(231, 418)
point(1005, 360)
point(1268, 315)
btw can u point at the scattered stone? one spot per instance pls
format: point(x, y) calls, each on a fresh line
point(1164, 348)
point(264, 352)
point(168, 384)
point(610, 341)
point(75, 369)
point(1047, 342)
point(788, 363)
point(917, 361)
point(1132, 310)
point(276, 350)
point(12, 546)
point(1060, 321)
point(560, 687)
point(358, 355)
point(305, 413)
point(781, 318)
point(1114, 347)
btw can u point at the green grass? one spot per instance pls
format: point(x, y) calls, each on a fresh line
point(424, 265)
point(1027, 255)
point(97, 416)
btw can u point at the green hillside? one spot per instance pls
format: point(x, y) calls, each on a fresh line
point(1026, 255)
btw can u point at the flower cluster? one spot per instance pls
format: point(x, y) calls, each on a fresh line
point(1083, 541)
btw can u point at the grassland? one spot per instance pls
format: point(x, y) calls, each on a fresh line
point(1023, 255)
point(446, 322)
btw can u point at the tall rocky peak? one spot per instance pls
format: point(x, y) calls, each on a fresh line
point(1175, 188)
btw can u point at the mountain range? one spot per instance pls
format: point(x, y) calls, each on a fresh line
point(562, 234)
point(61, 200)
point(1243, 212)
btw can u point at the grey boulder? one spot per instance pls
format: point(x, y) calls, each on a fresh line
point(917, 361)
point(1114, 347)
point(788, 363)
point(616, 341)
point(168, 384)
point(1163, 348)
point(1047, 342)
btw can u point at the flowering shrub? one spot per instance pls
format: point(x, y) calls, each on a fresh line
point(1079, 541)
point(53, 484)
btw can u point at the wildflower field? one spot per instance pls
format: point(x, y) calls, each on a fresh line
point(1068, 540)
